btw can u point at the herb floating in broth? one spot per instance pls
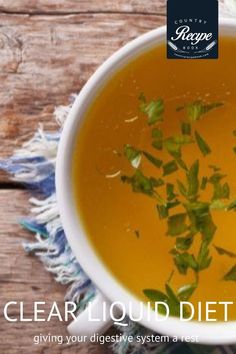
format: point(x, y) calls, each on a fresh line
point(182, 203)
point(169, 168)
point(214, 168)
point(184, 243)
point(204, 148)
point(184, 261)
point(157, 139)
point(223, 251)
point(140, 183)
point(153, 110)
point(231, 275)
point(197, 109)
point(156, 162)
point(133, 155)
point(232, 206)
point(176, 224)
point(185, 292)
point(169, 297)
point(186, 128)
point(170, 191)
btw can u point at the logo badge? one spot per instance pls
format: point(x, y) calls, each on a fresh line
point(192, 29)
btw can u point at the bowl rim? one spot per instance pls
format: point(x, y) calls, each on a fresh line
point(208, 333)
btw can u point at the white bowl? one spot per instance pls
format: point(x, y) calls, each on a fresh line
point(219, 333)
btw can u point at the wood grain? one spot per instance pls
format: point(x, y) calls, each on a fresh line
point(78, 6)
point(23, 278)
point(46, 58)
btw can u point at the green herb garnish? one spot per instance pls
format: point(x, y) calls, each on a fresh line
point(215, 168)
point(231, 275)
point(156, 162)
point(170, 298)
point(157, 133)
point(155, 295)
point(187, 210)
point(218, 204)
point(176, 224)
point(220, 191)
point(174, 144)
point(133, 155)
point(182, 188)
point(204, 148)
point(169, 167)
point(186, 128)
point(223, 251)
point(184, 261)
point(185, 292)
point(232, 206)
point(204, 259)
point(184, 243)
point(163, 211)
point(197, 109)
point(157, 139)
point(170, 191)
point(180, 162)
point(216, 178)
point(154, 109)
point(192, 181)
point(204, 183)
point(140, 183)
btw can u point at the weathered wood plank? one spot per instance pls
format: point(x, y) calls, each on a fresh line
point(22, 278)
point(78, 6)
point(46, 58)
point(43, 60)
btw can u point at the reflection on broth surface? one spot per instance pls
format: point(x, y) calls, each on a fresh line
point(124, 226)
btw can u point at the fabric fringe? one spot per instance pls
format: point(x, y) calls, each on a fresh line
point(34, 166)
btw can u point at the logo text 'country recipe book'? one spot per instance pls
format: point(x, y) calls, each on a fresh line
point(192, 29)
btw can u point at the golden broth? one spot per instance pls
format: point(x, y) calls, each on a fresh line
point(112, 212)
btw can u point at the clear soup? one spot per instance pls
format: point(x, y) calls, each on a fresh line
point(124, 226)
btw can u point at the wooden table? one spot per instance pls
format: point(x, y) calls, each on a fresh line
point(48, 49)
